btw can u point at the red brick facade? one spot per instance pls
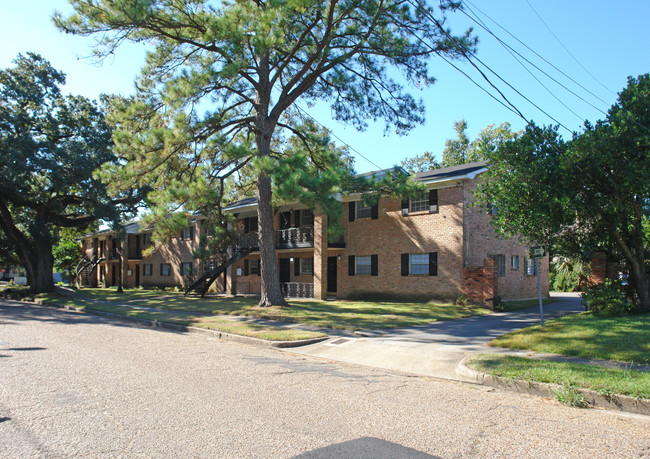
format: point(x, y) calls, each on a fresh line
point(440, 248)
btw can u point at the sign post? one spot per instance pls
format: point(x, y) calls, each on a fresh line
point(536, 253)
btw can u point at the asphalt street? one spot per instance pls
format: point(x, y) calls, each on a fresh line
point(75, 385)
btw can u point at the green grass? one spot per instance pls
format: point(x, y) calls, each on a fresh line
point(211, 323)
point(625, 339)
point(606, 381)
point(348, 315)
point(516, 305)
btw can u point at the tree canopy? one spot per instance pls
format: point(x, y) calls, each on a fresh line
point(50, 145)
point(591, 193)
point(220, 87)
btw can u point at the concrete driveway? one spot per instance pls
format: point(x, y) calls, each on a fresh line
point(435, 349)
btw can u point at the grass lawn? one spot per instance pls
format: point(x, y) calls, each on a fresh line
point(348, 315)
point(626, 339)
point(516, 305)
point(211, 323)
point(606, 381)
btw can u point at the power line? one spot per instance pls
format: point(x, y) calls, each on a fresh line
point(567, 50)
point(537, 54)
point(511, 50)
point(467, 56)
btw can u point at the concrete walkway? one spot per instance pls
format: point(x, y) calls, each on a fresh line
point(435, 349)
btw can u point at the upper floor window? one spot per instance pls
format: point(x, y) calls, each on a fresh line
point(363, 211)
point(357, 209)
point(146, 239)
point(186, 269)
point(250, 224)
point(427, 202)
point(187, 233)
point(306, 218)
point(530, 267)
point(165, 269)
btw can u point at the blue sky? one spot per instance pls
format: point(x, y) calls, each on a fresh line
point(609, 39)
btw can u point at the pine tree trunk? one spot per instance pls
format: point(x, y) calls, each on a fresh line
point(271, 294)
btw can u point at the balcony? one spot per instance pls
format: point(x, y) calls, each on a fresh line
point(294, 238)
point(297, 289)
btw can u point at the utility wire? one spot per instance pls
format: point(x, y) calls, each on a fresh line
point(467, 56)
point(567, 50)
point(536, 53)
point(511, 50)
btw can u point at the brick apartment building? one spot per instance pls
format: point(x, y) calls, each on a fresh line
point(437, 246)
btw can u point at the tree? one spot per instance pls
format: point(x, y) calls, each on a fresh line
point(250, 62)
point(588, 194)
point(456, 150)
point(488, 140)
point(50, 145)
point(421, 163)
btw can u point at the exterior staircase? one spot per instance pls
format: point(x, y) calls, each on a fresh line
point(204, 282)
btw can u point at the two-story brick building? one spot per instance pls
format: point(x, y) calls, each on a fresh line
point(437, 246)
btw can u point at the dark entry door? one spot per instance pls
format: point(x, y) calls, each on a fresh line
point(113, 277)
point(331, 274)
point(285, 270)
point(137, 275)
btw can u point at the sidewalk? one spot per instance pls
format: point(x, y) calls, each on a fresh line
point(437, 348)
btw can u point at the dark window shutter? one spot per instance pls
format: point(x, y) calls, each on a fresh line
point(352, 208)
point(192, 232)
point(374, 211)
point(245, 267)
point(161, 269)
point(374, 265)
point(405, 207)
point(296, 218)
point(351, 265)
point(296, 266)
point(405, 264)
point(259, 267)
point(433, 263)
point(433, 201)
point(246, 225)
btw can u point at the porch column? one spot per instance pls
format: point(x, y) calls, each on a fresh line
point(230, 277)
point(320, 256)
point(125, 261)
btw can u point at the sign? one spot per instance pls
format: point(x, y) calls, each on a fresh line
point(538, 251)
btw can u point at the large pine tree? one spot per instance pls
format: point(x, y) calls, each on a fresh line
point(222, 78)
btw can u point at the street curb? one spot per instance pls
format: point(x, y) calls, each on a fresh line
point(593, 398)
point(259, 342)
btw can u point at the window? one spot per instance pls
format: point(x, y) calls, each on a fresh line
point(420, 204)
point(363, 266)
point(419, 263)
point(307, 266)
point(147, 269)
point(254, 267)
point(514, 262)
point(146, 239)
point(187, 234)
point(186, 269)
point(250, 224)
point(414, 264)
point(363, 211)
point(165, 269)
point(530, 267)
point(306, 218)
point(501, 264)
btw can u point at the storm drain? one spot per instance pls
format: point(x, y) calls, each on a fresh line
point(340, 342)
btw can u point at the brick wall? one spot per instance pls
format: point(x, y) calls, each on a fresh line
point(481, 241)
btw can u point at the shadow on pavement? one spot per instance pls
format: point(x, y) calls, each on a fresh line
point(365, 448)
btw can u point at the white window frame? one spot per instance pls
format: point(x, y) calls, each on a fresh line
point(147, 269)
point(254, 267)
point(514, 262)
point(363, 264)
point(421, 267)
point(420, 204)
point(530, 267)
point(186, 234)
point(168, 270)
point(306, 266)
point(361, 210)
point(306, 217)
point(500, 260)
point(185, 271)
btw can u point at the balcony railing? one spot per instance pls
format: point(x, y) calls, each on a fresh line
point(295, 237)
point(297, 289)
point(247, 241)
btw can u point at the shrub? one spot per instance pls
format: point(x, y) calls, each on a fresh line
point(607, 299)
